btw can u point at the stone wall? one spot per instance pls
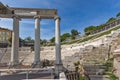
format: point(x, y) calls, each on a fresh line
point(116, 63)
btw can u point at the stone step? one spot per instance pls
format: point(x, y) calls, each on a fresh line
point(93, 70)
point(99, 77)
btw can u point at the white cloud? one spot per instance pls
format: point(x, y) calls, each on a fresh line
point(6, 23)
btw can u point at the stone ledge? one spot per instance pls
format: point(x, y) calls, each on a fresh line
point(116, 53)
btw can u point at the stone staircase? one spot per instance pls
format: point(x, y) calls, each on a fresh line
point(92, 59)
point(96, 72)
point(94, 55)
point(94, 69)
point(97, 55)
point(99, 77)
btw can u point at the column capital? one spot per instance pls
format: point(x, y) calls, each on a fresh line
point(37, 16)
point(15, 16)
point(57, 17)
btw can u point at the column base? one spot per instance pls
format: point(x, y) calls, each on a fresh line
point(12, 64)
point(58, 68)
point(36, 64)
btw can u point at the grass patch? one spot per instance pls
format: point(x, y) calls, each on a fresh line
point(71, 42)
point(82, 78)
point(111, 76)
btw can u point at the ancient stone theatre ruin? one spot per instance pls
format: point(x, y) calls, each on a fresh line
point(27, 13)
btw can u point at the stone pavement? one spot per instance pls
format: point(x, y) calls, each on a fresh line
point(30, 76)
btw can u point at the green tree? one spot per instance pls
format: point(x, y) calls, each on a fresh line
point(10, 40)
point(43, 42)
point(20, 41)
point(28, 39)
point(100, 27)
point(74, 33)
point(89, 29)
point(118, 14)
point(52, 40)
point(111, 19)
point(65, 36)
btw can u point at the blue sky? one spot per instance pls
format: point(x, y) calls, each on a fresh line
point(75, 14)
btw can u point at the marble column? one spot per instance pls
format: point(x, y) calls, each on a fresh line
point(37, 40)
point(15, 41)
point(58, 62)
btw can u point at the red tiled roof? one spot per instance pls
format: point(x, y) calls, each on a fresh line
point(5, 29)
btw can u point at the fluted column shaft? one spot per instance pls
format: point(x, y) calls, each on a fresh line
point(15, 41)
point(57, 40)
point(37, 40)
point(58, 62)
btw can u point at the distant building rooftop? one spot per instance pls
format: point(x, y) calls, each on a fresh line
point(1, 28)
